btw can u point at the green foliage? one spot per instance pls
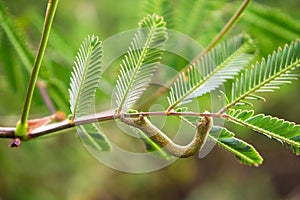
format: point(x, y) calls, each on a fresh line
point(225, 62)
point(245, 153)
point(16, 38)
point(270, 26)
point(226, 139)
point(220, 64)
point(273, 127)
point(14, 67)
point(21, 72)
point(86, 76)
point(267, 75)
point(199, 19)
point(76, 172)
point(92, 138)
point(14, 75)
point(85, 80)
point(140, 61)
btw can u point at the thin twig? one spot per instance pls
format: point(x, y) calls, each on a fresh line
point(7, 132)
point(224, 30)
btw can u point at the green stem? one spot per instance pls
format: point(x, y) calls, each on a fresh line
point(21, 128)
point(224, 30)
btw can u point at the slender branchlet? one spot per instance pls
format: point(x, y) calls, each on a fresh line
point(22, 125)
point(202, 129)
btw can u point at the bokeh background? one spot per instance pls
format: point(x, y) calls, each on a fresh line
point(60, 168)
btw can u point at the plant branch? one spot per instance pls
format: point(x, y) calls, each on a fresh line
point(160, 91)
point(9, 132)
point(50, 12)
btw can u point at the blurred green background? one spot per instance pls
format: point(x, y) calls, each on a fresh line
point(60, 168)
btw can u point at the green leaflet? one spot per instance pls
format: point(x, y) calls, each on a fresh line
point(85, 80)
point(267, 75)
point(140, 61)
point(244, 152)
point(86, 76)
point(283, 131)
point(220, 64)
point(91, 137)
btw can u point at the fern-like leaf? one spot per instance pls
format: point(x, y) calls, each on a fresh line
point(220, 64)
point(140, 61)
point(85, 76)
point(85, 80)
point(266, 76)
point(283, 131)
point(245, 152)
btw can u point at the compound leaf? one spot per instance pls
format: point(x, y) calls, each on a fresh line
point(244, 152)
point(85, 80)
point(140, 61)
point(222, 63)
point(266, 76)
point(283, 131)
